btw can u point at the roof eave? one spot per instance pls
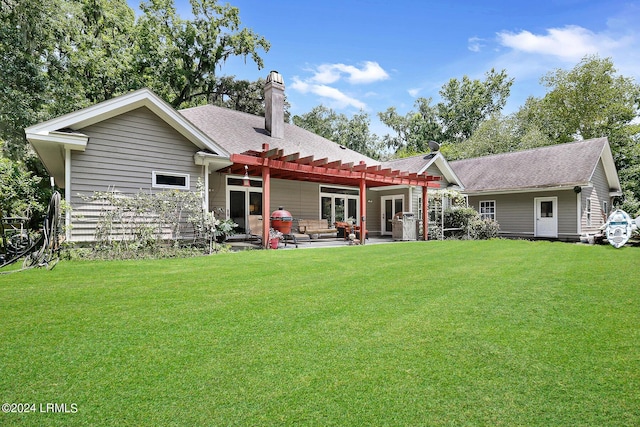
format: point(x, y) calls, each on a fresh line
point(609, 169)
point(125, 103)
point(214, 161)
point(496, 191)
point(444, 167)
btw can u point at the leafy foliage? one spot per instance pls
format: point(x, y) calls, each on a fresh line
point(19, 190)
point(464, 107)
point(412, 131)
point(145, 222)
point(467, 103)
point(58, 56)
point(178, 58)
point(352, 133)
point(242, 95)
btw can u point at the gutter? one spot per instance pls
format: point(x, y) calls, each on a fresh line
point(569, 186)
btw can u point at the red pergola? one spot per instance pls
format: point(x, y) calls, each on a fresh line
point(274, 163)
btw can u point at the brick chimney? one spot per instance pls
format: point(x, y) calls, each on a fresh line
point(274, 105)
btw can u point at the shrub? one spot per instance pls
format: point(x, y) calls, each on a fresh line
point(482, 229)
point(459, 217)
point(163, 224)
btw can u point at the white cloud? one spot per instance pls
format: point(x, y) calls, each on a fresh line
point(475, 44)
point(336, 97)
point(370, 72)
point(414, 92)
point(326, 81)
point(570, 43)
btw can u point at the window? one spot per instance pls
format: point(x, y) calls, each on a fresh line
point(588, 209)
point(605, 208)
point(338, 204)
point(488, 209)
point(170, 180)
point(546, 209)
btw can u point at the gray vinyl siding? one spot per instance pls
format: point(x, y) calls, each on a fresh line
point(218, 193)
point(433, 170)
point(121, 155)
point(300, 198)
point(516, 212)
point(597, 193)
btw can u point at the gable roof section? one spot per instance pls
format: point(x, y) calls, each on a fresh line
point(551, 167)
point(50, 139)
point(240, 133)
point(420, 163)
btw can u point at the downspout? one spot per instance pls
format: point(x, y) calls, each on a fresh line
point(67, 193)
point(206, 188)
point(579, 204)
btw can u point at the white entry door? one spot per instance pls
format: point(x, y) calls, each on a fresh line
point(546, 215)
point(391, 205)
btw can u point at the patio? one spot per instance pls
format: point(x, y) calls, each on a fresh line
point(241, 244)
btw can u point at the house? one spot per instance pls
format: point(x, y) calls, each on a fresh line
point(555, 192)
point(559, 192)
point(248, 165)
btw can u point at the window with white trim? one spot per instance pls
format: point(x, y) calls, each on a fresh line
point(178, 181)
point(588, 210)
point(488, 209)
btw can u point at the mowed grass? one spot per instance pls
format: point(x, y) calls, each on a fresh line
point(416, 333)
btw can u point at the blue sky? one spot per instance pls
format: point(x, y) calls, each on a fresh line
point(374, 54)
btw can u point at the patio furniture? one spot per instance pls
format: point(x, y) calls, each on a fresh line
point(316, 227)
point(295, 234)
point(255, 227)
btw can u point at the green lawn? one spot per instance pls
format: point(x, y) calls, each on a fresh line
point(436, 333)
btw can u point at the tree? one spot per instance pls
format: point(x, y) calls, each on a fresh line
point(178, 58)
point(25, 32)
point(498, 134)
point(414, 130)
point(591, 101)
point(467, 103)
point(242, 95)
point(19, 190)
point(58, 56)
point(352, 133)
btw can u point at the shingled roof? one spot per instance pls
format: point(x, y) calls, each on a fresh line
point(420, 163)
point(563, 165)
point(239, 132)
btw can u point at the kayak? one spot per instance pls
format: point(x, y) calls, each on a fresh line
point(618, 230)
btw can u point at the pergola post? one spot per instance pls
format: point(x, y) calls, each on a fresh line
point(266, 198)
point(363, 209)
point(425, 213)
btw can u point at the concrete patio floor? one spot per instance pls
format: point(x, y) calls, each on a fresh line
point(240, 244)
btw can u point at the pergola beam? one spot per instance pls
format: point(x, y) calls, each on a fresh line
point(321, 170)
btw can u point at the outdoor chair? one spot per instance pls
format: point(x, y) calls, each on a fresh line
point(255, 227)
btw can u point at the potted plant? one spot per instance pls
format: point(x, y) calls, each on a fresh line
point(224, 228)
point(274, 238)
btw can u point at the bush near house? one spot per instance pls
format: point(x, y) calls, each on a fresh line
point(469, 224)
point(157, 225)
